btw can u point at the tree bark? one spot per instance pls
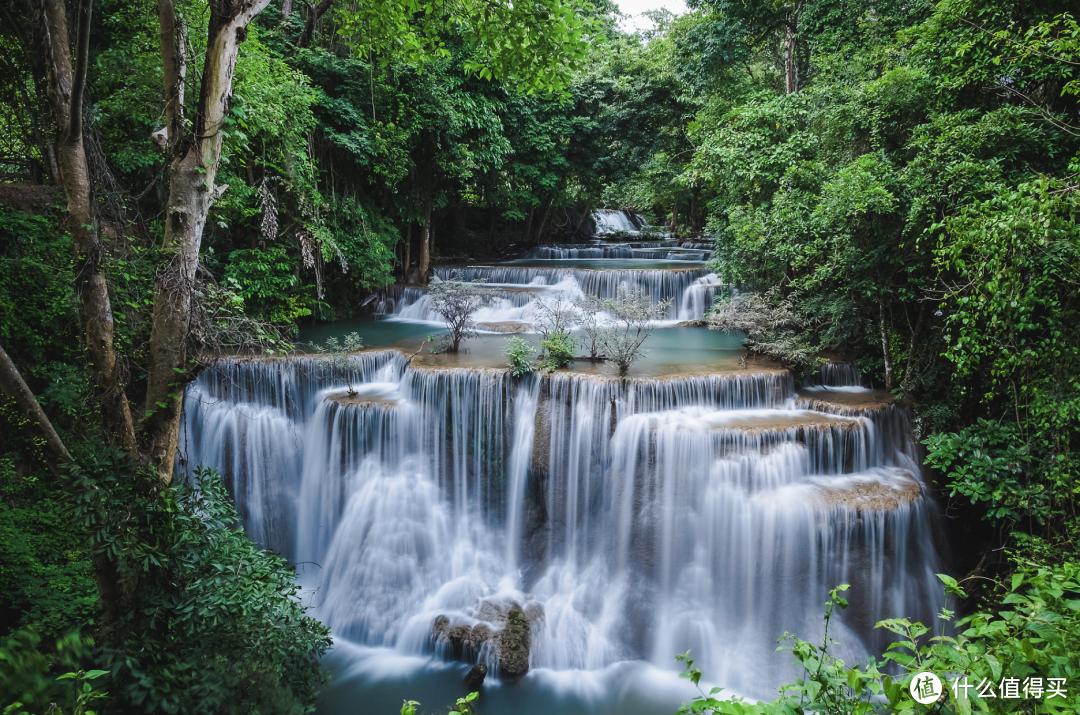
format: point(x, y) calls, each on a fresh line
point(544, 219)
point(529, 223)
point(65, 89)
point(174, 66)
point(791, 80)
point(315, 13)
point(905, 384)
point(192, 190)
point(885, 343)
point(12, 385)
point(425, 242)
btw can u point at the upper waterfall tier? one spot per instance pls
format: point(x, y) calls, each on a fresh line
point(621, 519)
point(616, 221)
point(656, 250)
point(514, 288)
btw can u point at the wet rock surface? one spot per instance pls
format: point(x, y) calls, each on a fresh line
point(506, 327)
point(502, 630)
point(512, 645)
point(475, 677)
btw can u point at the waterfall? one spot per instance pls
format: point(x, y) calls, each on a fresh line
point(656, 250)
point(629, 520)
point(612, 221)
point(512, 290)
point(836, 377)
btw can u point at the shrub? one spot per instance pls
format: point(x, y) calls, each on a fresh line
point(588, 319)
point(206, 621)
point(634, 314)
point(456, 300)
point(560, 349)
point(1033, 637)
point(336, 356)
point(772, 326)
point(519, 353)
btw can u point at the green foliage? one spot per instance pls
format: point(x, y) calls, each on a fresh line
point(29, 680)
point(463, 706)
point(773, 326)
point(536, 46)
point(36, 301)
point(1034, 634)
point(553, 319)
point(519, 353)
point(988, 462)
point(267, 283)
point(207, 621)
point(560, 350)
point(44, 563)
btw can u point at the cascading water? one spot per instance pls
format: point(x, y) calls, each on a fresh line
point(656, 250)
point(622, 520)
point(615, 221)
point(511, 290)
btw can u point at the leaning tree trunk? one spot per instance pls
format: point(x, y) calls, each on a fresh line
point(192, 170)
point(65, 89)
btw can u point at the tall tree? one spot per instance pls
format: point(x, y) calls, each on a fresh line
point(66, 88)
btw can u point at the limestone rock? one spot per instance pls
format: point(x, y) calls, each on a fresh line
point(508, 326)
point(505, 629)
point(512, 645)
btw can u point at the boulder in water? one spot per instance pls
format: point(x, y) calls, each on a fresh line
point(475, 677)
point(505, 629)
point(512, 645)
point(465, 641)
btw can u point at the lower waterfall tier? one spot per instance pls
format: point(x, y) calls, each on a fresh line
point(567, 522)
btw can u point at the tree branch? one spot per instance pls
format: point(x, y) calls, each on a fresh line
point(174, 66)
point(12, 385)
point(82, 58)
point(315, 13)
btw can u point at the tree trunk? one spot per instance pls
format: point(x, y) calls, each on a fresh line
point(791, 80)
point(314, 13)
point(885, 343)
point(544, 219)
point(12, 385)
point(65, 89)
point(174, 66)
point(425, 242)
point(192, 172)
point(529, 223)
point(905, 384)
point(581, 219)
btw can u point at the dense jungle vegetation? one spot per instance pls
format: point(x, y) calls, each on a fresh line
point(898, 182)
